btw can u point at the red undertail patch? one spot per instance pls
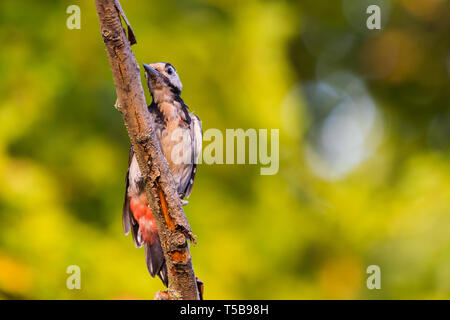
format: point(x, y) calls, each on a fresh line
point(144, 216)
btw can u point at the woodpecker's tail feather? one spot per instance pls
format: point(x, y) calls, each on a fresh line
point(156, 263)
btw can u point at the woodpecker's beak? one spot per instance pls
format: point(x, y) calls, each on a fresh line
point(150, 71)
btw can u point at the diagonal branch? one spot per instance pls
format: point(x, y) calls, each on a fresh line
point(173, 227)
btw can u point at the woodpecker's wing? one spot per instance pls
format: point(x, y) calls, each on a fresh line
point(196, 136)
point(128, 221)
point(126, 213)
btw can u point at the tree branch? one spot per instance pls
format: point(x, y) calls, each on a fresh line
point(171, 222)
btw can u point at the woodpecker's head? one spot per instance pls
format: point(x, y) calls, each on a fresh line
point(162, 80)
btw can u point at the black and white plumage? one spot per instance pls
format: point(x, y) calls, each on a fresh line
point(180, 136)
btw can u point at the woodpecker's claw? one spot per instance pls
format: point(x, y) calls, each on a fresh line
point(117, 105)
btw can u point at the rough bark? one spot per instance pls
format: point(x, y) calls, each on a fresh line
point(171, 222)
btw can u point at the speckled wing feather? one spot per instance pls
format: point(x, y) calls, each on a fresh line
point(196, 134)
point(128, 221)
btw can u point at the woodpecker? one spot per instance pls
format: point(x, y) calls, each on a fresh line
point(180, 135)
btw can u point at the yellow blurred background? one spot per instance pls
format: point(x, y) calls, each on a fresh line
point(364, 120)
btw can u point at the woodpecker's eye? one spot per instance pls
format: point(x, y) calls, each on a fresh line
point(169, 71)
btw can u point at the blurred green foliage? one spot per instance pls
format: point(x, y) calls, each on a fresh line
point(308, 232)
